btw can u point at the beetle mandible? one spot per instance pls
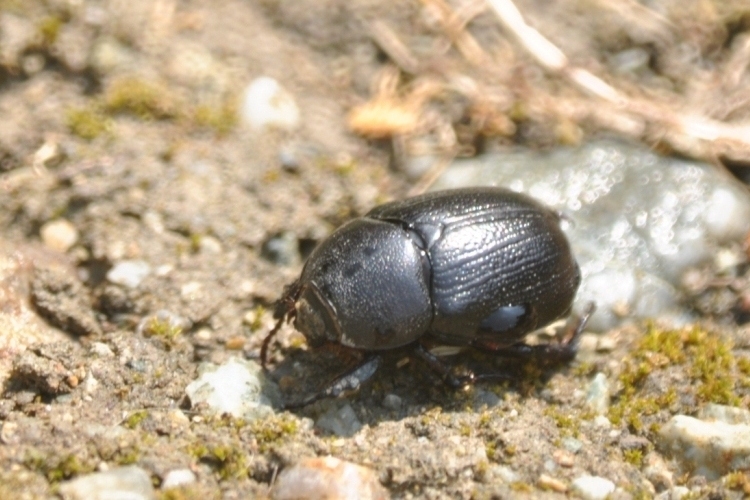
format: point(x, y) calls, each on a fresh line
point(479, 267)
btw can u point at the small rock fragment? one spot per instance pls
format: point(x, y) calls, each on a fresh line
point(62, 300)
point(129, 273)
point(675, 493)
point(340, 421)
point(266, 104)
point(327, 478)
point(658, 473)
point(178, 477)
point(726, 414)
point(237, 387)
point(132, 483)
point(552, 483)
point(392, 402)
point(59, 235)
point(710, 449)
point(41, 368)
point(593, 487)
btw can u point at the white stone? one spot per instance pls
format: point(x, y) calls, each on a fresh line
point(597, 397)
point(59, 235)
point(710, 449)
point(129, 273)
point(178, 477)
point(237, 387)
point(266, 104)
point(593, 487)
point(675, 493)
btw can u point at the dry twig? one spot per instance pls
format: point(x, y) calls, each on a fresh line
point(691, 134)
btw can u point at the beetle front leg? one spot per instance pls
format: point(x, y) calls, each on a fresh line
point(344, 385)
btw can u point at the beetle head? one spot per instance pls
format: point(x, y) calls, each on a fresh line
point(312, 313)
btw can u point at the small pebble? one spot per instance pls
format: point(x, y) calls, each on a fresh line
point(709, 449)
point(131, 483)
point(9, 433)
point(602, 422)
point(571, 444)
point(282, 249)
point(676, 493)
point(129, 273)
point(658, 473)
point(630, 60)
point(505, 474)
point(90, 383)
point(266, 104)
point(59, 235)
point(593, 487)
point(340, 421)
point(327, 478)
point(563, 458)
point(392, 402)
point(178, 477)
point(597, 398)
point(551, 483)
point(101, 350)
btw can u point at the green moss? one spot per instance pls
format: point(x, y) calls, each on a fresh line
point(633, 457)
point(143, 99)
point(269, 432)
point(57, 469)
point(715, 375)
point(230, 461)
point(134, 419)
point(221, 119)
point(257, 322)
point(738, 480)
point(521, 487)
point(87, 123)
point(568, 424)
point(49, 29)
point(162, 329)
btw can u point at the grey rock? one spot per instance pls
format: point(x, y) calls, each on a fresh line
point(340, 421)
point(640, 220)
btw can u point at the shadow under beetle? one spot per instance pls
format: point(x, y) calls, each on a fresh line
point(478, 267)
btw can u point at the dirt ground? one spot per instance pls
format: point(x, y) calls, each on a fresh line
point(122, 120)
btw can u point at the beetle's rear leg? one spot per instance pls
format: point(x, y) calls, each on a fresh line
point(448, 377)
point(344, 385)
point(547, 353)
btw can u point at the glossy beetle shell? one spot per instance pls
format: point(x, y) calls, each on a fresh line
point(480, 266)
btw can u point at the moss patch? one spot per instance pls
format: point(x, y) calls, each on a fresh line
point(647, 397)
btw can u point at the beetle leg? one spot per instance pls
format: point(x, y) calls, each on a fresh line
point(549, 353)
point(345, 384)
point(438, 367)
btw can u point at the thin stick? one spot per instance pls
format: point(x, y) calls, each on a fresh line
point(681, 130)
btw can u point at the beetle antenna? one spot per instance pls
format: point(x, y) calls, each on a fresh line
point(283, 310)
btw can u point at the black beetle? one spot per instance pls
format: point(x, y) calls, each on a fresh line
point(478, 267)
